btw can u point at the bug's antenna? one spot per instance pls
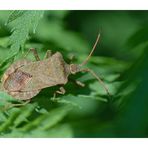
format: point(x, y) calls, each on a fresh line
point(91, 71)
point(94, 47)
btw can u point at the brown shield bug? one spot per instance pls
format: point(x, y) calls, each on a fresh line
point(24, 79)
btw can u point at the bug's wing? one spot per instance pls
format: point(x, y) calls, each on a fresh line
point(42, 75)
point(46, 73)
point(16, 81)
point(13, 67)
point(13, 79)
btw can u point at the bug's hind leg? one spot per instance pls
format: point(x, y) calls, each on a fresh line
point(35, 53)
point(61, 91)
point(10, 105)
point(48, 54)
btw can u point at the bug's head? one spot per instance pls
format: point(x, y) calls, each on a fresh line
point(74, 68)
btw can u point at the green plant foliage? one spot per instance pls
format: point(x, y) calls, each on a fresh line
point(24, 21)
point(39, 127)
point(120, 59)
point(14, 15)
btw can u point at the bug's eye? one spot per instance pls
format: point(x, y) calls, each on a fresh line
point(74, 68)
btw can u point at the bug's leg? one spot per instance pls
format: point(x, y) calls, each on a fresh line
point(71, 57)
point(9, 106)
point(77, 82)
point(35, 53)
point(20, 104)
point(48, 54)
point(60, 91)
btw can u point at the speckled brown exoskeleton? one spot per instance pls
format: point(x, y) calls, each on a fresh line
point(24, 79)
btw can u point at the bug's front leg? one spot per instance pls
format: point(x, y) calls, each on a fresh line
point(61, 91)
point(71, 57)
point(77, 82)
point(48, 54)
point(35, 53)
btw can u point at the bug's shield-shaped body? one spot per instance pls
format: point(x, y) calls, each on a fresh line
point(25, 79)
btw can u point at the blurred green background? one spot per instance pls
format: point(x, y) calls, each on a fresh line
point(121, 59)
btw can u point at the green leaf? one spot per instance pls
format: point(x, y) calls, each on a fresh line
point(14, 15)
point(53, 31)
point(25, 112)
point(47, 120)
point(22, 25)
point(9, 122)
point(6, 97)
point(133, 119)
point(5, 62)
point(82, 104)
point(4, 42)
point(60, 131)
